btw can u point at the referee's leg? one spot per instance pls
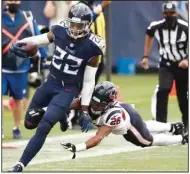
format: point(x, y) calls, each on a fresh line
point(165, 85)
point(181, 78)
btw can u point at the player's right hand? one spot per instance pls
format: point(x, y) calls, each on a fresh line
point(144, 63)
point(70, 147)
point(84, 121)
point(17, 49)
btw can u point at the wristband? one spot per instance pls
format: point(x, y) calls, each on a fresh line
point(80, 147)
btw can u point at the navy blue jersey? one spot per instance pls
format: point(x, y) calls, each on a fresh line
point(71, 56)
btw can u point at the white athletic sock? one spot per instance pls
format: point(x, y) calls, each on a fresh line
point(157, 127)
point(166, 139)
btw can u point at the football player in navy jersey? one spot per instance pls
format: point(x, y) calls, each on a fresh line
point(72, 71)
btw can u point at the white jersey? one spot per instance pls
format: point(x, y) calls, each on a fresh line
point(116, 117)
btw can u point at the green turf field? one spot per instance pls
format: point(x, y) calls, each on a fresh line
point(113, 154)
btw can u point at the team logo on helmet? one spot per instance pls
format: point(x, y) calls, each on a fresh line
point(112, 96)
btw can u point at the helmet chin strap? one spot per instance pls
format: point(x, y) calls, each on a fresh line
point(78, 36)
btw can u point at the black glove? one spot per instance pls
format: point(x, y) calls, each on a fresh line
point(18, 51)
point(71, 147)
point(84, 121)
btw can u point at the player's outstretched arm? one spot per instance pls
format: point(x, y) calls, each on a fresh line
point(86, 93)
point(40, 40)
point(102, 132)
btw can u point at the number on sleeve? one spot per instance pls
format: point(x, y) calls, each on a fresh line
point(115, 121)
point(98, 41)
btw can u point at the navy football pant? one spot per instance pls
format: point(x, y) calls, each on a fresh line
point(138, 134)
point(58, 98)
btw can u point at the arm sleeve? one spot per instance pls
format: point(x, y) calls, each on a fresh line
point(42, 50)
point(88, 84)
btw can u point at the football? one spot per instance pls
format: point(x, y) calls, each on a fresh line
point(31, 49)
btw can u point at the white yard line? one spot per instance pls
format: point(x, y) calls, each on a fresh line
point(52, 148)
point(89, 154)
point(50, 139)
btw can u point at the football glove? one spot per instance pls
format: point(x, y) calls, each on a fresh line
point(18, 51)
point(70, 147)
point(84, 121)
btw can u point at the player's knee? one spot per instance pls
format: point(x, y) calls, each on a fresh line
point(30, 125)
point(32, 117)
point(148, 142)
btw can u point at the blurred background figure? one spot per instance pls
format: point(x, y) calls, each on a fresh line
point(172, 36)
point(182, 9)
point(16, 25)
point(55, 11)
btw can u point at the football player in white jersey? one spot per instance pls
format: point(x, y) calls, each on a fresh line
point(111, 116)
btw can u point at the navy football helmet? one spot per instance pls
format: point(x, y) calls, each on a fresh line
point(103, 96)
point(79, 20)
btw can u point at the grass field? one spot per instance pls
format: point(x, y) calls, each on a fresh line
point(114, 153)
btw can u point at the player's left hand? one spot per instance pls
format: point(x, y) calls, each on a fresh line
point(18, 50)
point(184, 64)
point(84, 121)
point(70, 147)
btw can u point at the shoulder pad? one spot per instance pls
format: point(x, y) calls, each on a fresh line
point(58, 29)
point(182, 22)
point(62, 23)
point(98, 41)
point(156, 23)
point(59, 24)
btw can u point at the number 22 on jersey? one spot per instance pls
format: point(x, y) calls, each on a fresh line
point(60, 61)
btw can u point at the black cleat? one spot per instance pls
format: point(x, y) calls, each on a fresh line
point(17, 168)
point(185, 136)
point(63, 125)
point(177, 128)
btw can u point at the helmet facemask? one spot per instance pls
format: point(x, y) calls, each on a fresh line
point(77, 28)
point(98, 107)
point(103, 97)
